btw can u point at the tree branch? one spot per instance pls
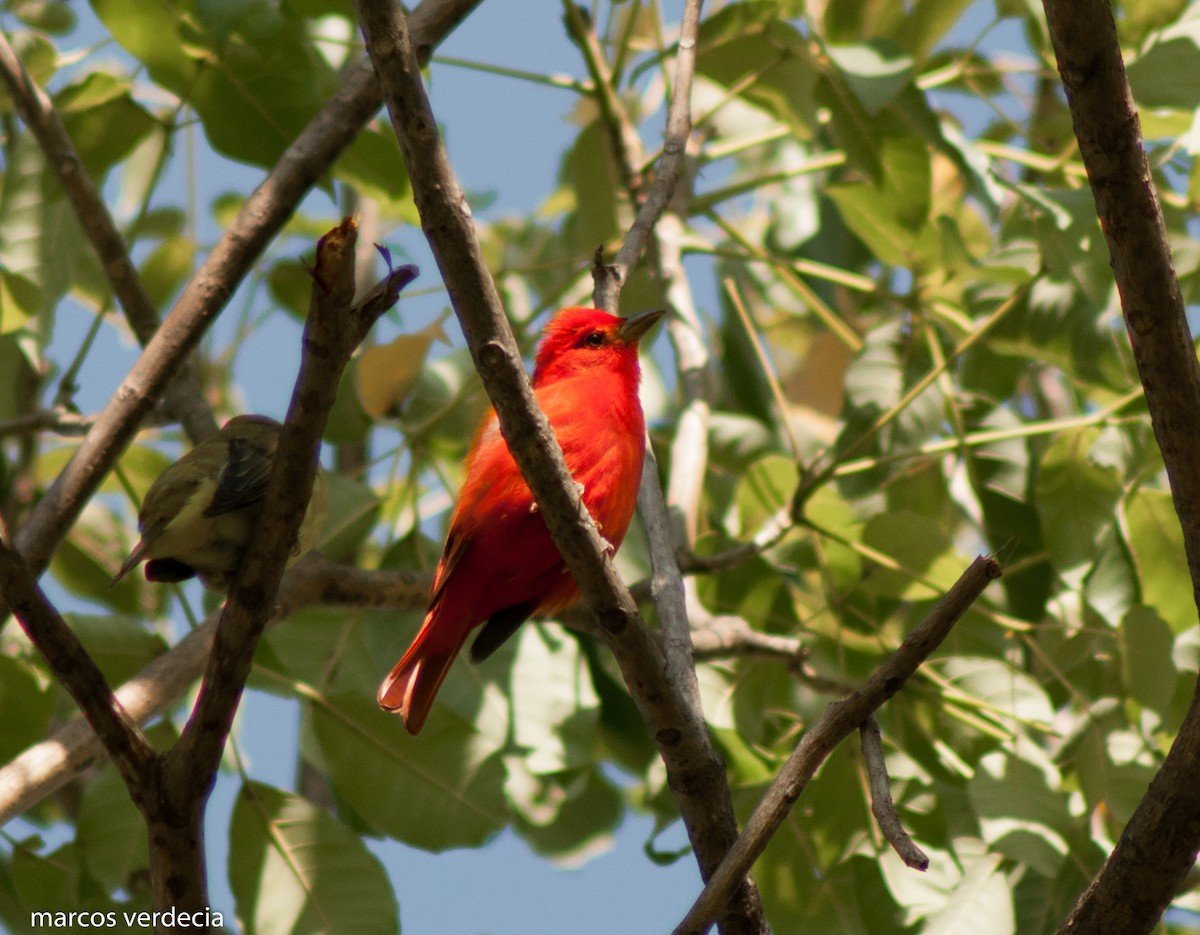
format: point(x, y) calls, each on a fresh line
point(1158, 846)
point(174, 806)
point(882, 806)
point(47, 766)
point(333, 330)
point(695, 771)
point(840, 720)
point(74, 669)
point(672, 523)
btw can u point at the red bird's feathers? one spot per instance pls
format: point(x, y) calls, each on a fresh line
point(500, 564)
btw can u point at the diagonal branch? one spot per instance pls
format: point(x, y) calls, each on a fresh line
point(696, 773)
point(47, 766)
point(74, 668)
point(840, 720)
point(334, 329)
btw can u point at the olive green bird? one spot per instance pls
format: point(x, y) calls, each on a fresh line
point(197, 516)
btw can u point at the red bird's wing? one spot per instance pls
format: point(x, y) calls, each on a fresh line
point(497, 557)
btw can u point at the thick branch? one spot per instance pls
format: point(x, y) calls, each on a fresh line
point(696, 772)
point(1159, 844)
point(74, 668)
point(333, 330)
point(48, 766)
point(840, 720)
point(670, 523)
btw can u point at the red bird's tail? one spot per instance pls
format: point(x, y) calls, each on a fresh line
point(412, 685)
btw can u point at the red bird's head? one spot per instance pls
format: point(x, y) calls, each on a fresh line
point(585, 340)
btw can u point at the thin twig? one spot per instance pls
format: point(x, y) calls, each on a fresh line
point(882, 806)
point(58, 421)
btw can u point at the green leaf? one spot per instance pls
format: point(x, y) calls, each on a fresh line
point(290, 285)
point(1114, 768)
point(876, 71)
point(828, 510)
point(120, 646)
point(441, 790)
point(752, 39)
point(998, 687)
point(1155, 540)
point(353, 512)
point(555, 707)
point(891, 215)
point(166, 268)
point(293, 869)
point(921, 547)
point(927, 24)
point(20, 301)
point(374, 165)
point(48, 881)
point(1168, 73)
point(1022, 810)
point(153, 34)
point(589, 171)
point(981, 903)
point(27, 703)
point(766, 486)
point(103, 120)
point(1076, 500)
point(248, 69)
point(1147, 660)
point(570, 818)
point(111, 834)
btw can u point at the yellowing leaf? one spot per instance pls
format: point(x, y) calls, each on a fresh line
point(387, 372)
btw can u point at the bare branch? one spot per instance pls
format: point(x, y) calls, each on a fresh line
point(47, 766)
point(696, 772)
point(58, 421)
point(723, 637)
point(174, 805)
point(1158, 846)
point(672, 522)
point(882, 806)
point(838, 722)
point(333, 330)
point(74, 668)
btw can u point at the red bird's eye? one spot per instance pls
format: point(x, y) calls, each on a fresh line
point(595, 339)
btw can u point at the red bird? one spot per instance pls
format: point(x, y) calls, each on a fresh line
point(500, 566)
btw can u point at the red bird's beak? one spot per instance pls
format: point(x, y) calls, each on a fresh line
point(633, 327)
